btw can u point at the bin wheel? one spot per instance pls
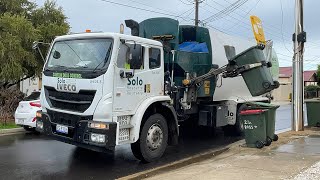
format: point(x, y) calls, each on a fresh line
point(276, 84)
point(259, 144)
point(275, 137)
point(266, 85)
point(268, 141)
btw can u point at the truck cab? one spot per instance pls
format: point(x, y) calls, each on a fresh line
point(97, 88)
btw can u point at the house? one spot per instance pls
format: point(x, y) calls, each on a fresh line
point(310, 77)
point(30, 85)
point(285, 80)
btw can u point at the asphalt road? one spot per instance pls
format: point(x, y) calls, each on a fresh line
point(283, 118)
point(30, 156)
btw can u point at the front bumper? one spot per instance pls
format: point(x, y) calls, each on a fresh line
point(79, 133)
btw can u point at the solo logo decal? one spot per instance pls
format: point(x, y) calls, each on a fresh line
point(135, 86)
point(134, 82)
point(68, 86)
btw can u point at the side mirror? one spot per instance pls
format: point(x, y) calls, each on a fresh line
point(35, 45)
point(136, 56)
point(56, 54)
point(124, 74)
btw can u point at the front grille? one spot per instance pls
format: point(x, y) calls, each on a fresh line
point(66, 119)
point(70, 120)
point(78, 102)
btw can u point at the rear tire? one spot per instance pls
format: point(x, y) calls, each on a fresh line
point(153, 139)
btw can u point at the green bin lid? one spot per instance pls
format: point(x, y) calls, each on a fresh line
point(315, 100)
point(252, 111)
point(263, 105)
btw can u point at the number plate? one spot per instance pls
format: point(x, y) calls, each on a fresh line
point(62, 129)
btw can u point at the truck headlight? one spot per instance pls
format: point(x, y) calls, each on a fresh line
point(39, 124)
point(98, 138)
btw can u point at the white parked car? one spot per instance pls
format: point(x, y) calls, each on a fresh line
point(25, 114)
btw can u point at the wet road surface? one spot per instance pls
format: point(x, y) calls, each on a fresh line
point(30, 156)
point(283, 118)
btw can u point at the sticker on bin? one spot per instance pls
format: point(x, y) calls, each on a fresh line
point(252, 111)
point(248, 125)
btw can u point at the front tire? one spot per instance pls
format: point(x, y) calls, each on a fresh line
point(153, 139)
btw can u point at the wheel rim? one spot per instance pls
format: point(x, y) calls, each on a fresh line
point(154, 137)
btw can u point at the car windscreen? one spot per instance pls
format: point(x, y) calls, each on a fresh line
point(32, 96)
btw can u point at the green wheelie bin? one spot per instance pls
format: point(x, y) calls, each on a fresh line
point(313, 106)
point(254, 124)
point(259, 80)
point(270, 119)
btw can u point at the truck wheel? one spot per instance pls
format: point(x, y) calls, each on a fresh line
point(153, 139)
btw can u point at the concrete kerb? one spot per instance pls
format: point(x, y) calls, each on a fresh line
point(4, 132)
point(183, 162)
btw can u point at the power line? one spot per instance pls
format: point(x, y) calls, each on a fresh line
point(164, 10)
point(226, 11)
point(282, 28)
point(257, 2)
point(188, 11)
point(186, 3)
point(239, 20)
point(244, 25)
point(142, 9)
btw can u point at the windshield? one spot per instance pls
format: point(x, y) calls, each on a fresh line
point(81, 54)
point(32, 96)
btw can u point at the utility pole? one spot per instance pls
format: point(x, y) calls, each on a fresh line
point(299, 37)
point(196, 18)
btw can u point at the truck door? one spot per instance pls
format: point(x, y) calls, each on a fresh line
point(130, 92)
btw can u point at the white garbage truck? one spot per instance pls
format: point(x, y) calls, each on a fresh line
point(100, 90)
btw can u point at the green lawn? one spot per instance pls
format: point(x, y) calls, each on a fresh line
point(8, 125)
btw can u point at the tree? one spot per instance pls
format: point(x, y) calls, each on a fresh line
point(21, 23)
point(50, 21)
point(16, 57)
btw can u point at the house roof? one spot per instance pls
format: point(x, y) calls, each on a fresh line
point(286, 72)
point(307, 75)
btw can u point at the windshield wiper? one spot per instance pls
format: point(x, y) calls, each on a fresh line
point(104, 61)
point(72, 50)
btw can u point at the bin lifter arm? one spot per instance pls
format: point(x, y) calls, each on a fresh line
point(230, 70)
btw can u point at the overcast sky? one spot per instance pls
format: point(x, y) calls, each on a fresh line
point(99, 15)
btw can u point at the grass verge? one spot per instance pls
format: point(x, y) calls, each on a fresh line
point(8, 125)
